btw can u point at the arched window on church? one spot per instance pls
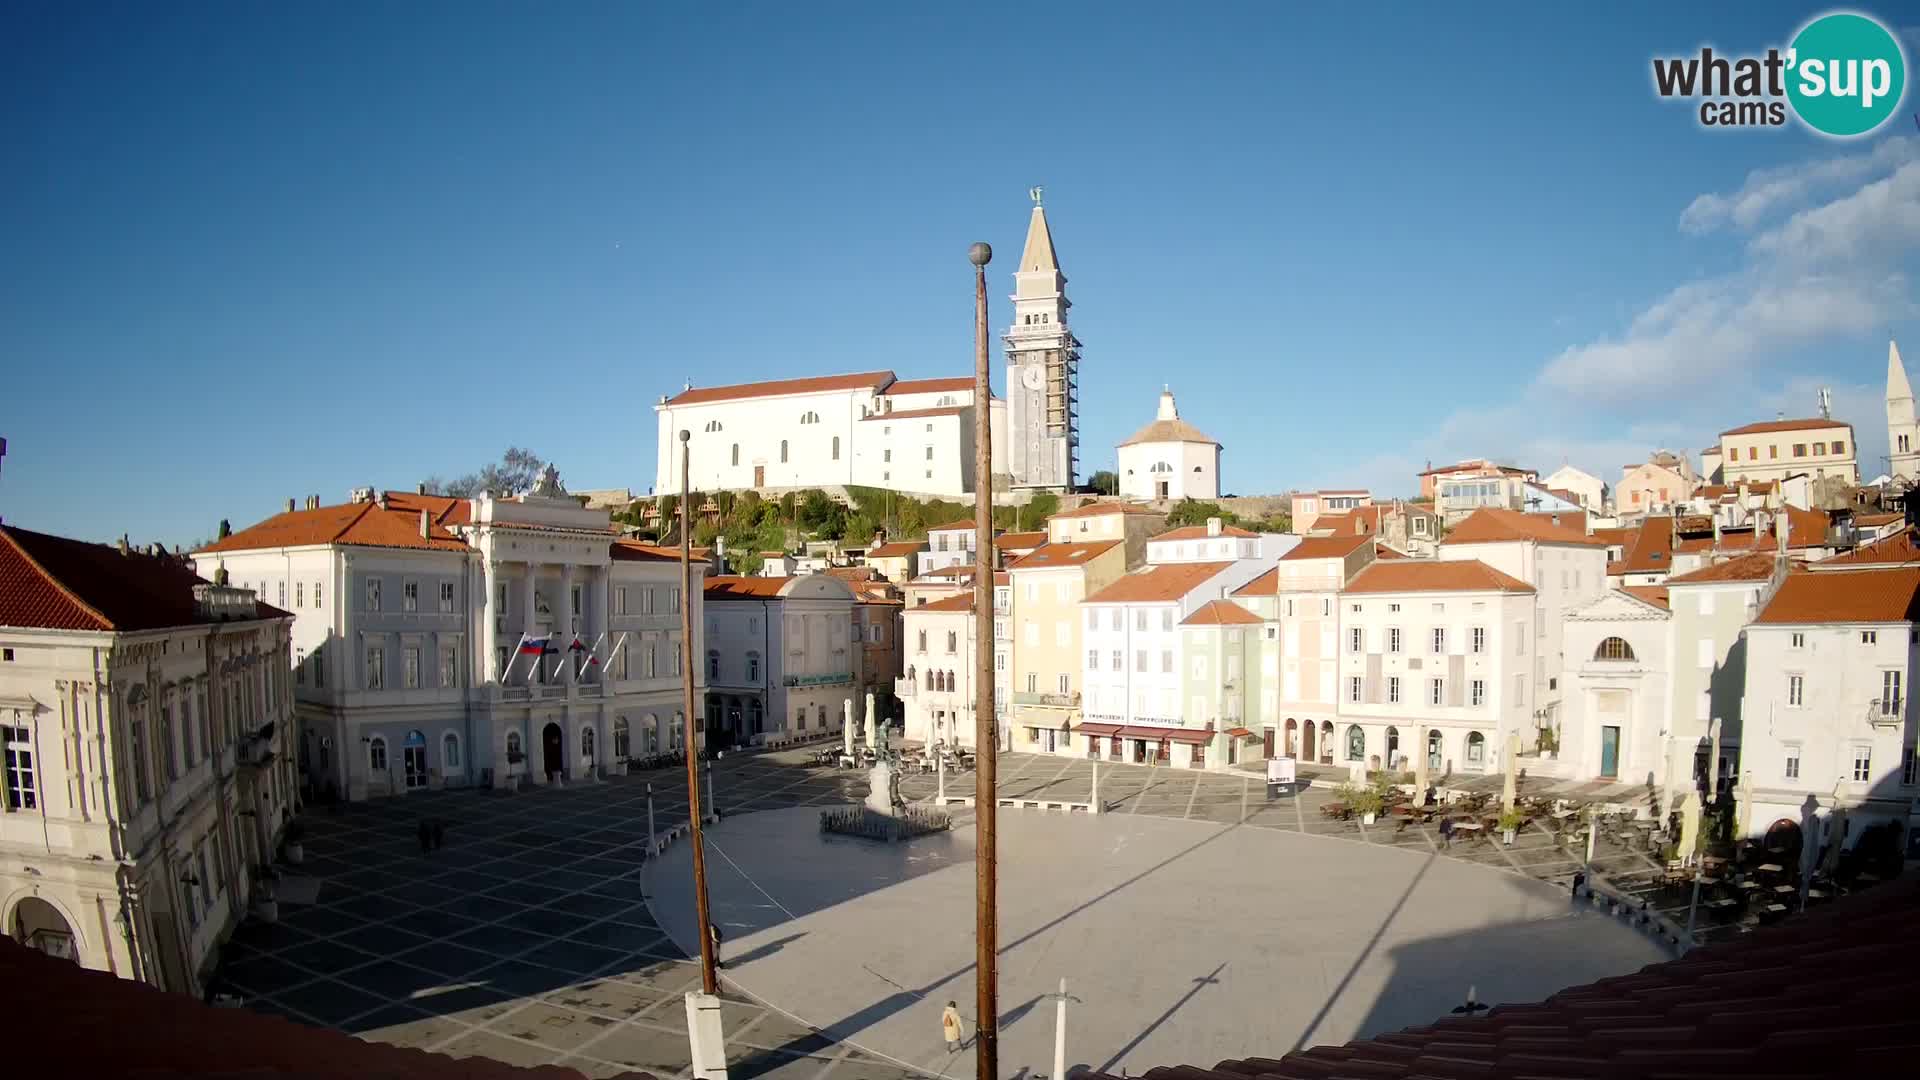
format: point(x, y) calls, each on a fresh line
point(713, 425)
point(836, 448)
point(783, 451)
point(736, 453)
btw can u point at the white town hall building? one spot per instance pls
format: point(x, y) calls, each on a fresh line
point(874, 429)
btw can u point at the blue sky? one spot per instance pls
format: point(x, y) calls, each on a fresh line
point(262, 251)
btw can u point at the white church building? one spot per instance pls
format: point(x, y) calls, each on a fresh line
point(875, 429)
point(1169, 459)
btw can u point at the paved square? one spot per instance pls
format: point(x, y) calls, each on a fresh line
point(537, 899)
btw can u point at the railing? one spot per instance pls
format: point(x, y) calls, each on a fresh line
point(1885, 713)
point(904, 687)
point(1036, 329)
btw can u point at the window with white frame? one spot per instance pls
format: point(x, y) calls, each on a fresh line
point(1166, 619)
point(1140, 619)
point(373, 594)
point(1393, 689)
point(1357, 639)
point(1890, 693)
point(1066, 683)
point(1796, 691)
point(1869, 637)
point(1790, 762)
point(1166, 661)
point(283, 593)
point(753, 667)
point(1477, 690)
point(620, 601)
point(22, 790)
point(410, 657)
point(1797, 640)
point(1862, 764)
point(449, 666)
point(1354, 688)
point(316, 595)
point(377, 754)
point(1393, 639)
point(376, 669)
point(1479, 640)
point(446, 596)
point(299, 594)
point(1436, 692)
point(1520, 637)
point(410, 596)
point(1093, 659)
point(450, 752)
point(1439, 639)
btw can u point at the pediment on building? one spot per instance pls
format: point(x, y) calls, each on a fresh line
point(1617, 606)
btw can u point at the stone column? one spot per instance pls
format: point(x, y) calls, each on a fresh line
point(490, 633)
point(563, 624)
point(531, 623)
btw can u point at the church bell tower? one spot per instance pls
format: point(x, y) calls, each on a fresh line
point(1903, 430)
point(1043, 363)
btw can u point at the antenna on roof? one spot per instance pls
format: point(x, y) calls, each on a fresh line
point(1826, 403)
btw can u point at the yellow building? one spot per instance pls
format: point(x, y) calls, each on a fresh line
point(1047, 587)
point(1776, 449)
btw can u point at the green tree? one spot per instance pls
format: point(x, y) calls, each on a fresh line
point(1191, 512)
point(516, 471)
point(1105, 482)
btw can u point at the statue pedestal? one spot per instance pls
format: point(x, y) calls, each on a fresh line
point(883, 796)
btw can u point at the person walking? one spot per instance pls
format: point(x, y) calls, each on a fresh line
point(713, 935)
point(951, 1027)
point(1446, 831)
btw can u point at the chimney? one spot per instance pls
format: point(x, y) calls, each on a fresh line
point(1780, 528)
point(381, 500)
point(426, 525)
point(289, 506)
point(122, 545)
point(420, 488)
point(1213, 526)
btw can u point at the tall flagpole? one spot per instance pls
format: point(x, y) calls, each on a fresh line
point(707, 980)
point(986, 728)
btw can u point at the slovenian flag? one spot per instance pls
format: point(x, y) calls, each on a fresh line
point(534, 646)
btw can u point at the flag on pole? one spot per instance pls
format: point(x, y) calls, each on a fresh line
point(578, 645)
point(592, 659)
point(536, 646)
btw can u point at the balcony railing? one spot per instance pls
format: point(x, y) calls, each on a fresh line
point(904, 687)
point(1886, 713)
point(1058, 701)
point(1037, 329)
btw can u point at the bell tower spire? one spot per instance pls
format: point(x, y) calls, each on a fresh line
point(1903, 429)
point(1043, 361)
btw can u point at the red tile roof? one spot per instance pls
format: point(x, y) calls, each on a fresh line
point(1785, 425)
point(1899, 549)
point(53, 583)
point(931, 386)
point(964, 523)
point(957, 602)
point(1056, 555)
point(897, 549)
point(1326, 547)
point(734, 587)
point(1161, 583)
point(864, 380)
point(1500, 526)
point(1872, 596)
point(1652, 594)
point(1463, 466)
point(1651, 551)
point(909, 414)
point(358, 525)
point(1826, 994)
point(1382, 551)
point(1220, 613)
point(1199, 532)
point(1754, 566)
point(100, 1025)
point(1017, 540)
point(1103, 507)
point(1429, 575)
point(1267, 584)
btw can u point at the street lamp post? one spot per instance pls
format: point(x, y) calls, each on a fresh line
point(985, 735)
point(708, 982)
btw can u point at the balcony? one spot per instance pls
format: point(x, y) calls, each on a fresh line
point(904, 687)
point(1886, 713)
point(1029, 330)
point(1055, 701)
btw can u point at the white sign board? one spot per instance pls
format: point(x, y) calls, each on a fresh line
point(1280, 770)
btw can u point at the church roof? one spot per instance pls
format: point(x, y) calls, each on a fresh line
point(863, 380)
point(1897, 385)
point(1175, 430)
point(1038, 254)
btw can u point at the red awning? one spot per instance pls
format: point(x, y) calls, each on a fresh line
point(1240, 733)
point(1099, 729)
point(1195, 736)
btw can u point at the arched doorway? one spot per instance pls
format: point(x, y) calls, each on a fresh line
point(1783, 841)
point(1393, 748)
point(550, 760)
point(1306, 741)
point(1326, 742)
point(1293, 737)
point(1434, 757)
point(39, 925)
point(413, 755)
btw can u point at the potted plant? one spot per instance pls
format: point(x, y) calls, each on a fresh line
point(295, 840)
point(1510, 822)
point(1366, 801)
point(265, 905)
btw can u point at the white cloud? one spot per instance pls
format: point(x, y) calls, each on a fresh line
point(1768, 192)
point(1878, 222)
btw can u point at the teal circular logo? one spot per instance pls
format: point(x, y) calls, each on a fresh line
point(1846, 74)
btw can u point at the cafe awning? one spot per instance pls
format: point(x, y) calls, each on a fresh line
point(1194, 736)
point(1240, 733)
point(1099, 729)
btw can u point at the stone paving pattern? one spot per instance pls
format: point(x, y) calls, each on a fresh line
point(527, 937)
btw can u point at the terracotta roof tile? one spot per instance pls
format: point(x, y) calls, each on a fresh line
point(1428, 575)
point(1382, 551)
point(1103, 507)
point(1220, 613)
point(1017, 540)
point(1499, 526)
point(1267, 584)
point(1785, 425)
point(1056, 555)
point(1166, 431)
point(1652, 594)
point(897, 549)
point(864, 380)
point(1753, 566)
point(1875, 596)
point(956, 602)
point(964, 523)
point(1326, 547)
point(53, 583)
point(117, 1027)
point(1899, 549)
point(735, 587)
point(931, 386)
point(909, 414)
point(1199, 532)
point(354, 525)
point(1651, 551)
point(1164, 582)
point(638, 551)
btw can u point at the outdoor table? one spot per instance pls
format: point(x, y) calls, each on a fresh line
point(1783, 889)
point(1816, 894)
point(1707, 879)
point(1723, 902)
point(1768, 868)
point(1565, 814)
point(1749, 885)
point(1467, 827)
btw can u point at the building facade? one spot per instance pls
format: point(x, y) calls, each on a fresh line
point(146, 718)
point(1819, 447)
point(1614, 723)
point(1297, 602)
point(1308, 506)
point(1169, 460)
point(1590, 490)
point(1903, 426)
point(780, 657)
point(444, 642)
point(1047, 588)
point(938, 684)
